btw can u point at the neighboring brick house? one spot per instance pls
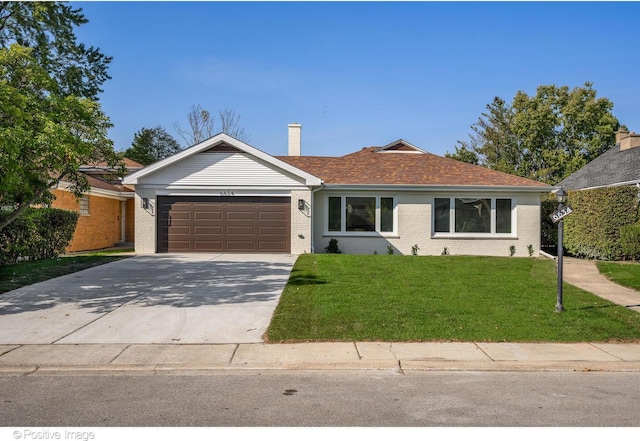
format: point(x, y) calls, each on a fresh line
point(107, 214)
point(223, 195)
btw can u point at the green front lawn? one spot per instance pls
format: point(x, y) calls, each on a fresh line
point(26, 273)
point(623, 273)
point(339, 297)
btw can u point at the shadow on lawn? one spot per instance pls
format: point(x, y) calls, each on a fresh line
point(151, 281)
point(300, 278)
point(584, 308)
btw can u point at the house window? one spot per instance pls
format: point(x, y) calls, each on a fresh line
point(367, 215)
point(473, 216)
point(84, 205)
point(503, 216)
point(361, 214)
point(386, 215)
point(442, 215)
point(335, 214)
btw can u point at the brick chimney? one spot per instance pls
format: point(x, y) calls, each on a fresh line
point(295, 135)
point(627, 140)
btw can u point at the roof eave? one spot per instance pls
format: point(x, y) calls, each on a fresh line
point(438, 188)
point(617, 184)
point(114, 194)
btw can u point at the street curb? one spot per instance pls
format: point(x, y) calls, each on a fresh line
point(59, 359)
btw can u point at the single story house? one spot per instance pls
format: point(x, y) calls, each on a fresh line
point(223, 195)
point(618, 166)
point(107, 214)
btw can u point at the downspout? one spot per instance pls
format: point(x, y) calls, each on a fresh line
point(311, 214)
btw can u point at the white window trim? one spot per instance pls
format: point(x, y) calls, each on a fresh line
point(343, 214)
point(452, 218)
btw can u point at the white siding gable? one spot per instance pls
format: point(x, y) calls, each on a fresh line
point(221, 169)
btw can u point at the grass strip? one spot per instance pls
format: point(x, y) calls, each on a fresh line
point(623, 273)
point(26, 273)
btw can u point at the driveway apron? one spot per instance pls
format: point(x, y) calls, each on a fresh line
point(194, 298)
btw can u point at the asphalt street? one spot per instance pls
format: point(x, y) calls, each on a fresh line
point(323, 399)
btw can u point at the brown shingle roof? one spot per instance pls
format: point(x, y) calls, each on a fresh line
point(104, 185)
point(369, 167)
point(128, 163)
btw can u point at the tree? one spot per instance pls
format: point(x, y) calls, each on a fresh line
point(463, 153)
point(201, 125)
point(545, 137)
point(151, 145)
point(45, 134)
point(48, 27)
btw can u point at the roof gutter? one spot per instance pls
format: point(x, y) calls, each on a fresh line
point(443, 188)
point(618, 184)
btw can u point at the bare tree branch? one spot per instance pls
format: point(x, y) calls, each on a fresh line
point(201, 125)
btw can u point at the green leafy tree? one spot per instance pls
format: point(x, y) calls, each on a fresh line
point(45, 134)
point(463, 153)
point(151, 145)
point(50, 121)
point(48, 28)
point(547, 136)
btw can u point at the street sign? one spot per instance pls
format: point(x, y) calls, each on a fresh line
point(557, 215)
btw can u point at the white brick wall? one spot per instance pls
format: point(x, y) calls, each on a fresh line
point(414, 228)
point(145, 223)
point(300, 223)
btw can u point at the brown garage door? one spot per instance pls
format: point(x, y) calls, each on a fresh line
point(247, 224)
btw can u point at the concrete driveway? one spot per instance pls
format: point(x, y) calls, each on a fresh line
point(195, 298)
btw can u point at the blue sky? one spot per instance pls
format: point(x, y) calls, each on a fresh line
point(355, 74)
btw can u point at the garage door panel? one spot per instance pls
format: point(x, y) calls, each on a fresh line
point(272, 247)
point(180, 215)
point(220, 224)
point(207, 215)
point(241, 246)
point(249, 216)
point(272, 216)
point(242, 231)
point(272, 231)
point(178, 245)
point(208, 245)
point(208, 230)
point(175, 231)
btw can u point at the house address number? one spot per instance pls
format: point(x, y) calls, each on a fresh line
point(227, 193)
point(557, 215)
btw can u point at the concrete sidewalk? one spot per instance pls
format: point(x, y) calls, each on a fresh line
point(399, 357)
point(585, 275)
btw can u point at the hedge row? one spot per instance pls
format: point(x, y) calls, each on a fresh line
point(39, 233)
point(593, 229)
point(630, 241)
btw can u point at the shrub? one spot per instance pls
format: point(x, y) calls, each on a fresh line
point(593, 229)
point(512, 250)
point(630, 241)
point(414, 250)
point(530, 250)
point(390, 249)
point(40, 233)
point(332, 248)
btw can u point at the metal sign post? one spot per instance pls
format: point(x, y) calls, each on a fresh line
point(559, 305)
point(557, 217)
